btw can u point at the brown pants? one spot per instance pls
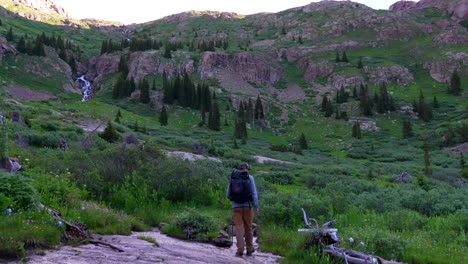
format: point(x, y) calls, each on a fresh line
point(243, 218)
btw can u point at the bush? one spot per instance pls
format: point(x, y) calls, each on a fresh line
point(281, 178)
point(196, 226)
point(27, 230)
point(41, 140)
point(19, 190)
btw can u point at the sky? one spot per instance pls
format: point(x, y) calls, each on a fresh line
point(138, 11)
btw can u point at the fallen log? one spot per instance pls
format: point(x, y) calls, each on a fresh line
point(97, 243)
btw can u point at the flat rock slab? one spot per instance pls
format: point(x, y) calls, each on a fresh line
point(171, 250)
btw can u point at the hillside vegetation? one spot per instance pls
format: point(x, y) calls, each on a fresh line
point(365, 111)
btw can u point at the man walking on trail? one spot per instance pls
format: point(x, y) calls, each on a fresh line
point(243, 194)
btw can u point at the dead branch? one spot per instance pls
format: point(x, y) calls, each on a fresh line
point(97, 243)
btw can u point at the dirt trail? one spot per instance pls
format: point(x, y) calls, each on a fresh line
point(138, 251)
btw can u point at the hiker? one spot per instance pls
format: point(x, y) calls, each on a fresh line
point(243, 194)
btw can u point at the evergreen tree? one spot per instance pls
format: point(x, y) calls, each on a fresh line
point(21, 47)
point(3, 141)
point(303, 141)
point(259, 109)
point(455, 83)
point(203, 118)
point(214, 122)
point(435, 102)
point(355, 95)
point(462, 165)
point(1, 23)
point(427, 161)
point(424, 110)
point(123, 66)
point(118, 116)
point(38, 48)
point(10, 36)
point(104, 47)
point(344, 58)
point(359, 65)
point(356, 130)
point(337, 57)
point(110, 134)
point(365, 105)
point(324, 104)
point(407, 129)
point(422, 182)
point(329, 109)
point(235, 146)
point(136, 127)
point(163, 118)
point(144, 92)
point(167, 53)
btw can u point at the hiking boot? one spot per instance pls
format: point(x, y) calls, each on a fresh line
point(239, 254)
point(249, 253)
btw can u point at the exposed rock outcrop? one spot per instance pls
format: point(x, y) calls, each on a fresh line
point(99, 66)
point(387, 75)
point(442, 69)
point(251, 68)
point(6, 48)
point(46, 6)
point(315, 71)
point(141, 64)
point(402, 5)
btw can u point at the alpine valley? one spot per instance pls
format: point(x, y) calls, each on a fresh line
point(349, 113)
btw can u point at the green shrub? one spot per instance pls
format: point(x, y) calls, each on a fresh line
point(194, 225)
point(27, 230)
point(42, 140)
point(387, 245)
point(281, 178)
point(19, 190)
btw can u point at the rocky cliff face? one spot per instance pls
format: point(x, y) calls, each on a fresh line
point(402, 5)
point(251, 68)
point(458, 9)
point(441, 69)
point(46, 6)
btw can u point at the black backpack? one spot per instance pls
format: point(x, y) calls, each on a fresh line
point(240, 190)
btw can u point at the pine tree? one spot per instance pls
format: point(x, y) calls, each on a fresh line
point(259, 109)
point(110, 134)
point(462, 165)
point(407, 129)
point(38, 48)
point(163, 118)
point(324, 104)
point(303, 141)
point(435, 102)
point(337, 57)
point(167, 53)
point(118, 116)
point(3, 141)
point(10, 36)
point(344, 58)
point(203, 118)
point(359, 65)
point(455, 83)
point(422, 182)
point(214, 122)
point(424, 110)
point(356, 130)
point(235, 146)
point(144, 92)
point(21, 47)
point(123, 67)
point(427, 161)
point(329, 109)
point(1, 23)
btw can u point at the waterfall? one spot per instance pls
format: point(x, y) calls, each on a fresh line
point(86, 90)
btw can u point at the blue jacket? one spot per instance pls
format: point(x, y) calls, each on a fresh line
point(254, 196)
